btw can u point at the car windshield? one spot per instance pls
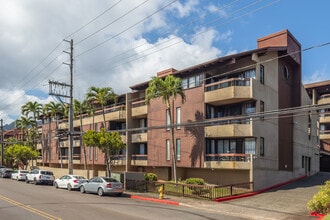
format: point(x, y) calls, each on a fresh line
point(46, 173)
point(24, 171)
point(109, 179)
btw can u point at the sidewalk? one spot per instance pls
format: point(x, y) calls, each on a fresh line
point(288, 202)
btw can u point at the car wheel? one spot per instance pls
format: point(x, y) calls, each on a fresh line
point(26, 180)
point(100, 192)
point(119, 194)
point(35, 181)
point(69, 187)
point(82, 189)
point(55, 184)
point(17, 179)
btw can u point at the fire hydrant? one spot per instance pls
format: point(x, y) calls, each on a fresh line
point(161, 192)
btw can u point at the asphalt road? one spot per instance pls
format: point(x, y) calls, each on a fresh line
point(19, 200)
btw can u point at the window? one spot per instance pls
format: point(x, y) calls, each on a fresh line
point(96, 151)
point(262, 146)
point(178, 118)
point(192, 81)
point(142, 149)
point(91, 153)
point(143, 124)
point(184, 83)
point(168, 149)
point(250, 146)
point(286, 72)
point(262, 74)
point(168, 121)
point(250, 107)
point(262, 109)
point(178, 149)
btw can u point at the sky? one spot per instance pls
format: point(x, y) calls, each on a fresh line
point(120, 43)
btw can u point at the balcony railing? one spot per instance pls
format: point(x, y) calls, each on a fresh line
point(228, 157)
point(138, 103)
point(227, 83)
point(140, 157)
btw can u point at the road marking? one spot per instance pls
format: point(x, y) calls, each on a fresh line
point(30, 209)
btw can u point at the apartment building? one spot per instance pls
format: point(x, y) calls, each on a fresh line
point(319, 93)
point(239, 122)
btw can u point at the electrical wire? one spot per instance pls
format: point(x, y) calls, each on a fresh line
point(126, 29)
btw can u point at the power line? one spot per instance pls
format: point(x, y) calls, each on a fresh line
point(117, 19)
point(94, 19)
point(126, 29)
point(181, 41)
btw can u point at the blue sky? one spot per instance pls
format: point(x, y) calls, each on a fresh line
point(125, 42)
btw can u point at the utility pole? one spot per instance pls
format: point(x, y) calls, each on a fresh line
point(2, 157)
point(53, 87)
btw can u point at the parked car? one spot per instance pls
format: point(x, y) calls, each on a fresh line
point(2, 169)
point(6, 172)
point(69, 182)
point(102, 186)
point(40, 177)
point(19, 174)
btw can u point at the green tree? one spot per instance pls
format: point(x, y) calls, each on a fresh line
point(24, 123)
point(110, 143)
point(99, 97)
point(167, 89)
point(34, 108)
point(17, 153)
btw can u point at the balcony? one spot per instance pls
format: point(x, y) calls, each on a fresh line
point(324, 99)
point(228, 161)
point(228, 91)
point(114, 113)
point(229, 128)
point(119, 160)
point(39, 146)
point(139, 160)
point(325, 117)
point(140, 137)
point(139, 109)
point(325, 136)
point(65, 143)
point(65, 159)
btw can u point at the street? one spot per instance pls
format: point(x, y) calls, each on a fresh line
point(19, 200)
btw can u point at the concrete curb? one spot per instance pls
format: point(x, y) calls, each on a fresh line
point(169, 202)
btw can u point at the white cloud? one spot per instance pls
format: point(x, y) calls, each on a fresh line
point(317, 76)
point(185, 9)
point(32, 29)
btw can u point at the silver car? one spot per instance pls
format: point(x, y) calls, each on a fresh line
point(102, 186)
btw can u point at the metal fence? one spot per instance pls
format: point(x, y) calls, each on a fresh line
point(210, 192)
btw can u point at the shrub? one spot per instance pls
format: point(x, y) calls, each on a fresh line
point(150, 177)
point(320, 200)
point(195, 181)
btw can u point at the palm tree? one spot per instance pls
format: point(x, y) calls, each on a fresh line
point(52, 110)
point(78, 109)
point(32, 107)
point(100, 97)
point(24, 123)
point(167, 89)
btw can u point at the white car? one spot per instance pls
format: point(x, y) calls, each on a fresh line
point(69, 182)
point(37, 176)
point(19, 175)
